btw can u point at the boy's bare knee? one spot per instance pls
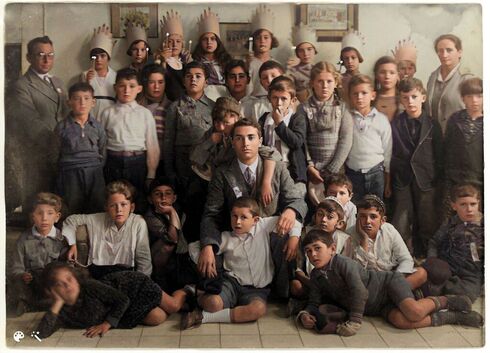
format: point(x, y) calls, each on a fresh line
point(412, 310)
point(259, 308)
point(212, 303)
point(397, 319)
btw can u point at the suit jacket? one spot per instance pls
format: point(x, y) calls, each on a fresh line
point(228, 184)
point(450, 101)
point(294, 137)
point(33, 111)
point(422, 159)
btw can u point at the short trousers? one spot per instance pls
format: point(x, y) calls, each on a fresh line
point(398, 289)
point(233, 294)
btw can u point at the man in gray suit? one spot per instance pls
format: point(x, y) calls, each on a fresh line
point(242, 177)
point(38, 102)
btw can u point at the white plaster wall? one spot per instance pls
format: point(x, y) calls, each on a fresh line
point(70, 27)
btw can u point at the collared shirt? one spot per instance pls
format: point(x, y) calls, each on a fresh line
point(248, 257)
point(34, 251)
point(80, 146)
point(128, 245)
point(104, 93)
point(131, 127)
point(371, 143)
point(387, 252)
point(253, 167)
point(439, 86)
point(42, 76)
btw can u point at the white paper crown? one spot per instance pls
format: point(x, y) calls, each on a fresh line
point(263, 18)
point(353, 39)
point(134, 32)
point(102, 39)
point(208, 22)
point(303, 34)
point(172, 24)
point(405, 50)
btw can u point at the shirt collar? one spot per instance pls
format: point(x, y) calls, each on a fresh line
point(41, 76)
point(51, 234)
point(371, 114)
point(450, 75)
point(132, 104)
point(90, 120)
point(202, 99)
point(252, 166)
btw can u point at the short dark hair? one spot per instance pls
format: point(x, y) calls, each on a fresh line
point(127, 74)
point(282, 84)
point(372, 201)
point(274, 41)
point(148, 49)
point(248, 202)
point(96, 51)
point(150, 69)
point(338, 179)
point(464, 190)
point(317, 235)
point(247, 122)
point(161, 181)
point(80, 87)
point(332, 206)
point(38, 40)
point(270, 65)
point(472, 85)
point(361, 59)
point(408, 84)
point(196, 65)
point(235, 63)
point(455, 39)
point(48, 275)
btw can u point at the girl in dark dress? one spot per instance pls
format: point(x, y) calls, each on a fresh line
point(119, 300)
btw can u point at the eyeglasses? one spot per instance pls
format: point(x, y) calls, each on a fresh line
point(43, 55)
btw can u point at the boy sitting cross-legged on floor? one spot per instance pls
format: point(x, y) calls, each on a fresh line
point(345, 283)
point(248, 265)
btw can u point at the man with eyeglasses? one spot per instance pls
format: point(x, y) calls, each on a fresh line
point(38, 102)
point(242, 178)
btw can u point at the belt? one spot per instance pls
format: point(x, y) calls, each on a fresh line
point(367, 170)
point(125, 153)
point(105, 97)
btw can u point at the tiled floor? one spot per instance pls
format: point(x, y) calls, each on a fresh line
point(272, 331)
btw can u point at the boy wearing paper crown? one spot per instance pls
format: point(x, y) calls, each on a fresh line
point(304, 39)
point(405, 53)
point(139, 50)
point(172, 55)
point(100, 76)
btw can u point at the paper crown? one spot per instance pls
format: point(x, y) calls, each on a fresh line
point(263, 18)
point(208, 22)
point(405, 50)
point(353, 39)
point(135, 31)
point(172, 24)
point(102, 39)
point(303, 34)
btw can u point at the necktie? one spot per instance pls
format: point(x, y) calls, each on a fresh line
point(249, 178)
point(49, 82)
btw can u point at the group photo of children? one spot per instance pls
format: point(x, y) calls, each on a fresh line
point(201, 184)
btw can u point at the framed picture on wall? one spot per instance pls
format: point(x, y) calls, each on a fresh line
point(143, 13)
point(331, 21)
point(235, 38)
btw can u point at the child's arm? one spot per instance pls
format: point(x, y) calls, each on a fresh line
point(102, 143)
point(202, 152)
point(50, 322)
point(17, 267)
point(152, 146)
point(433, 245)
point(142, 256)
point(400, 253)
point(266, 190)
point(344, 143)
